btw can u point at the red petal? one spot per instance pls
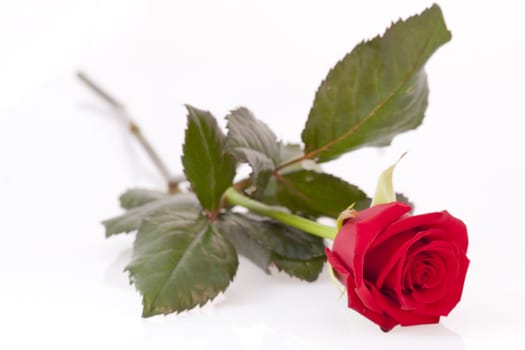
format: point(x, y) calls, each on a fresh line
point(405, 318)
point(453, 295)
point(357, 234)
point(354, 301)
point(455, 229)
point(337, 265)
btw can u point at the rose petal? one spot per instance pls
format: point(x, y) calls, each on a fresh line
point(453, 295)
point(393, 274)
point(390, 278)
point(451, 266)
point(454, 229)
point(357, 234)
point(424, 252)
point(337, 265)
point(364, 296)
point(381, 259)
point(403, 317)
point(426, 272)
point(424, 295)
point(367, 298)
point(354, 301)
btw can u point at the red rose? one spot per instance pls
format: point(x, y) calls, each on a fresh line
point(401, 269)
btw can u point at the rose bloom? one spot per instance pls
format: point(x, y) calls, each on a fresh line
point(401, 269)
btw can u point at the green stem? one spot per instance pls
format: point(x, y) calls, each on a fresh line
point(312, 227)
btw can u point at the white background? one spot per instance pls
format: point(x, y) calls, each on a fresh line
point(65, 158)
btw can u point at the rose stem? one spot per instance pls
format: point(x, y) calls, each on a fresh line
point(121, 110)
point(312, 227)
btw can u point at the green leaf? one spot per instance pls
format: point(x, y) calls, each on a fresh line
point(317, 194)
point(262, 167)
point(247, 132)
point(284, 240)
point(265, 241)
point(289, 151)
point(385, 187)
point(377, 91)
point(180, 260)
point(252, 141)
point(209, 169)
point(306, 270)
point(137, 197)
point(244, 243)
point(132, 219)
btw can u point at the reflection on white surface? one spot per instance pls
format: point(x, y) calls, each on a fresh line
point(282, 315)
point(275, 312)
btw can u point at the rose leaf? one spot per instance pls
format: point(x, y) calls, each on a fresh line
point(261, 240)
point(208, 168)
point(137, 197)
point(233, 227)
point(316, 194)
point(308, 270)
point(180, 260)
point(132, 219)
point(284, 240)
point(376, 91)
point(252, 141)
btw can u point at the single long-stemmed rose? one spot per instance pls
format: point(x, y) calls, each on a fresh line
point(398, 269)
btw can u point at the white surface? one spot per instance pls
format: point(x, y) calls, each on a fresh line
point(64, 159)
